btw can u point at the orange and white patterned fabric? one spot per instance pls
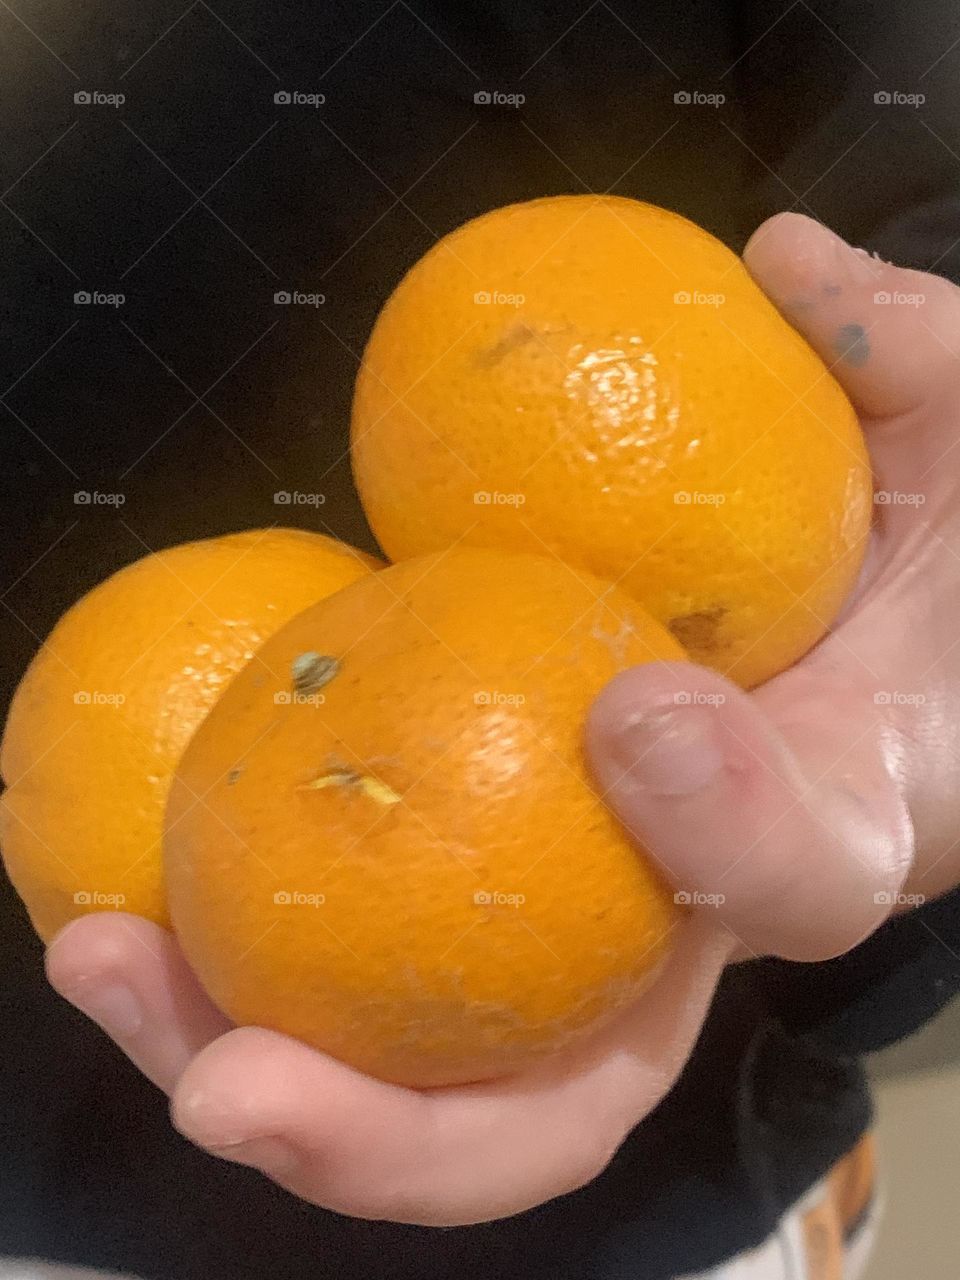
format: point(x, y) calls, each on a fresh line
point(826, 1236)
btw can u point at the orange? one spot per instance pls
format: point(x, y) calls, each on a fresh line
point(399, 858)
point(108, 704)
point(600, 379)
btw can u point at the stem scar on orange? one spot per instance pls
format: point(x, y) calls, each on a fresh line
point(603, 380)
point(400, 858)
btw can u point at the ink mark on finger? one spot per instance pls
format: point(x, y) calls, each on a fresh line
point(851, 344)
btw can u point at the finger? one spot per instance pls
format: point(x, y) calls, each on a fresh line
point(455, 1155)
point(890, 335)
point(130, 977)
point(776, 810)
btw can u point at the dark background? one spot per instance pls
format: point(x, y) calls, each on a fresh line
point(199, 397)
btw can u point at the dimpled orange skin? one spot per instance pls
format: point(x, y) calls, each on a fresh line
point(87, 780)
point(414, 874)
point(701, 456)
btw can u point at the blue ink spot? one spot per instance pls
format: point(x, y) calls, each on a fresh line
point(832, 290)
point(851, 344)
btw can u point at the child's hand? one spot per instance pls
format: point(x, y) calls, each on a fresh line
point(827, 799)
point(357, 1145)
point(800, 803)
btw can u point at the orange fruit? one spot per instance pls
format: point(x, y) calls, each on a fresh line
point(406, 865)
point(602, 380)
point(110, 701)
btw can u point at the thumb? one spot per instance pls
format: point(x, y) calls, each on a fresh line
point(793, 833)
point(888, 334)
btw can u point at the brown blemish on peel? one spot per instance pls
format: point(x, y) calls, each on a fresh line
point(234, 774)
point(517, 335)
point(311, 671)
point(698, 631)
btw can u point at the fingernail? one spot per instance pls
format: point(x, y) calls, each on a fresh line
point(113, 1007)
point(669, 752)
point(270, 1155)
